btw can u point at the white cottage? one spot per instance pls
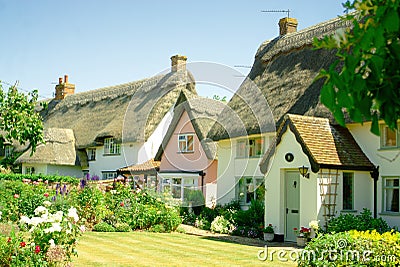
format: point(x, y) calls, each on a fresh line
point(114, 126)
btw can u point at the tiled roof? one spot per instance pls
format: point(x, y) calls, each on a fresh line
point(326, 145)
point(148, 166)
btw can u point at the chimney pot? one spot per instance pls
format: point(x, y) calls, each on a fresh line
point(60, 80)
point(178, 63)
point(287, 25)
point(64, 89)
point(65, 78)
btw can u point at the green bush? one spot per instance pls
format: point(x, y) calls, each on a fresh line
point(353, 248)
point(362, 222)
point(158, 228)
point(37, 177)
point(122, 227)
point(103, 227)
point(220, 225)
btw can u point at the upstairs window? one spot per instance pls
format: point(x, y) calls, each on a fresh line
point(389, 138)
point(111, 147)
point(91, 152)
point(185, 143)
point(8, 151)
point(253, 147)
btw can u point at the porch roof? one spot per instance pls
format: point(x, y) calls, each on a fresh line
point(326, 145)
point(149, 167)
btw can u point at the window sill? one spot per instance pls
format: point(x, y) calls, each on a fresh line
point(388, 213)
point(107, 155)
point(185, 152)
point(252, 157)
point(389, 148)
point(348, 211)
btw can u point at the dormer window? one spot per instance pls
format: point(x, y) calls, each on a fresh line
point(8, 151)
point(389, 138)
point(185, 143)
point(111, 147)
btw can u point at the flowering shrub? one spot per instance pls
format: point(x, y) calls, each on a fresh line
point(51, 240)
point(268, 229)
point(302, 232)
point(221, 225)
point(353, 248)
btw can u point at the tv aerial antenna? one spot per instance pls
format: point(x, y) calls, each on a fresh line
point(278, 11)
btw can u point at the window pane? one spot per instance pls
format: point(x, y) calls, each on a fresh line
point(389, 137)
point(190, 143)
point(259, 146)
point(347, 191)
point(392, 195)
point(241, 148)
point(251, 148)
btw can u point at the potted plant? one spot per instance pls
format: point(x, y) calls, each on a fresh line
point(268, 233)
point(302, 236)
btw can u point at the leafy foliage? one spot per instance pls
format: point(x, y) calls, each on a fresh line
point(368, 83)
point(103, 227)
point(18, 118)
point(39, 177)
point(362, 222)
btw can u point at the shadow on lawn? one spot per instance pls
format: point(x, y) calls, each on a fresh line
point(244, 241)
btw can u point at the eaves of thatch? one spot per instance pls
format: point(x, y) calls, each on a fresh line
point(129, 112)
point(203, 113)
point(58, 149)
point(327, 146)
point(283, 71)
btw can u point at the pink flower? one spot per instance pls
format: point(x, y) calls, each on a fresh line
point(46, 194)
point(22, 244)
point(37, 249)
point(122, 204)
point(16, 196)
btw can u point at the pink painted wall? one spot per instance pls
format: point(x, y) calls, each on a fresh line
point(172, 160)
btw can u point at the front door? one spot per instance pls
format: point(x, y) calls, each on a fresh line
point(292, 195)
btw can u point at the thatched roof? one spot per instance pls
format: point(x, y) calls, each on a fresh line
point(149, 167)
point(203, 113)
point(59, 149)
point(128, 112)
point(284, 70)
point(326, 145)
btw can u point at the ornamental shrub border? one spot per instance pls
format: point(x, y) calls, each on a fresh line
point(38, 177)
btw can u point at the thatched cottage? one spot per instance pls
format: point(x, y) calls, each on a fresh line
point(105, 129)
point(310, 168)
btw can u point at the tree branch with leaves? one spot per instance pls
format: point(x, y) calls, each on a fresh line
point(18, 119)
point(367, 86)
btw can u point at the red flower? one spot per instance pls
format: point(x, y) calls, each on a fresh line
point(37, 249)
point(22, 244)
point(270, 224)
point(295, 229)
point(9, 240)
point(122, 204)
point(46, 194)
point(16, 196)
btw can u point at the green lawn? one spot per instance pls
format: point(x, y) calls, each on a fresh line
point(172, 249)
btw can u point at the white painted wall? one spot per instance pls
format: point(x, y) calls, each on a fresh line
point(74, 171)
point(39, 168)
point(232, 168)
point(310, 200)
point(388, 161)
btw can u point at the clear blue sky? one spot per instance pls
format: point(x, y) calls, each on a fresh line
point(102, 43)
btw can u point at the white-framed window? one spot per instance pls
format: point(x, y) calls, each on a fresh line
point(252, 147)
point(348, 191)
point(111, 147)
point(91, 152)
point(389, 138)
point(107, 175)
point(178, 185)
point(151, 182)
point(29, 170)
point(391, 198)
point(8, 150)
point(250, 188)
point(185, 142)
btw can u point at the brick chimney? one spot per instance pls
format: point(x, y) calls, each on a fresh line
point(178, 63)
point(64, 88)
point(287, 25)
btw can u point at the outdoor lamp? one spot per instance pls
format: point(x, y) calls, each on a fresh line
point(304, 171)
